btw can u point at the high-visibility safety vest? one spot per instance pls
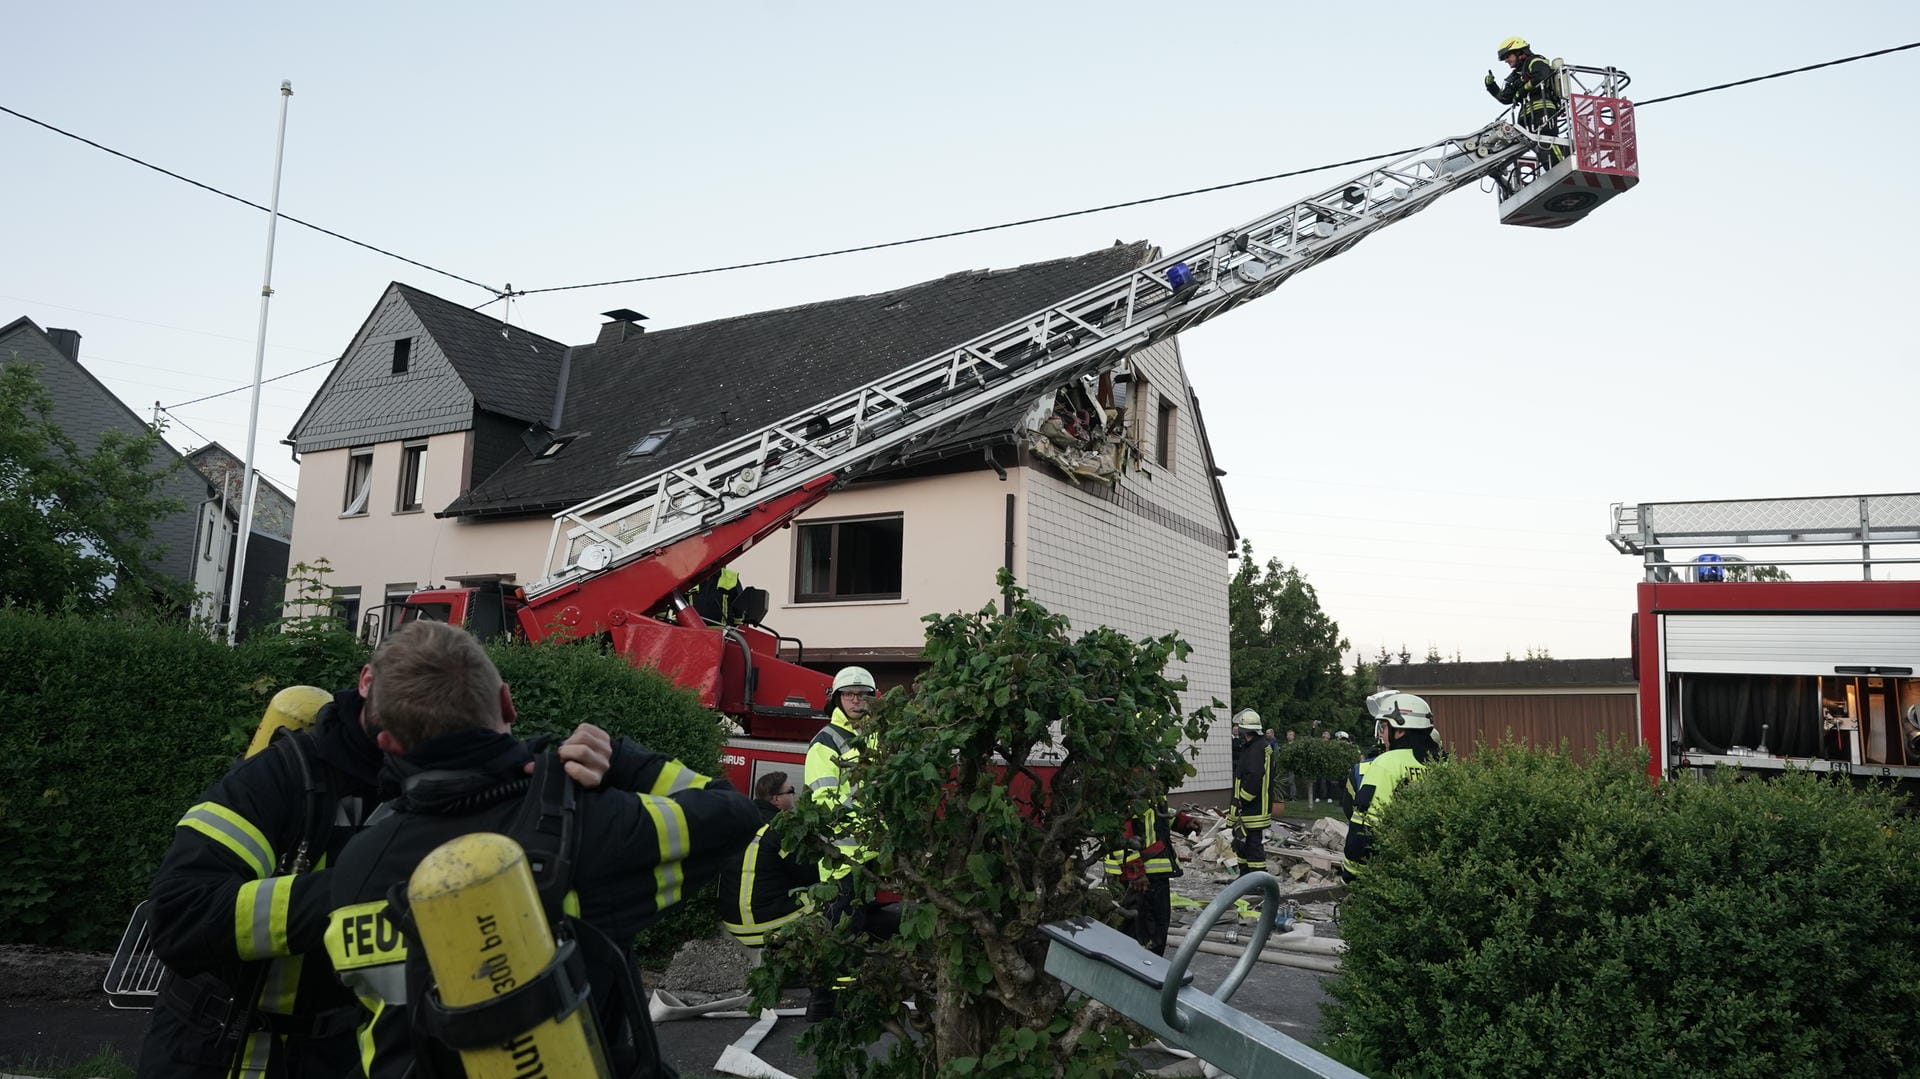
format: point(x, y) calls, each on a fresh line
point(1253, 784)
point(1379, 779)
point(828, 755)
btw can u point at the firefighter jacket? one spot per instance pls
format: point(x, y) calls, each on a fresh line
point(757, 890)
point(1532, 84)
point(1378, 780)
point(654, 832)
point(1253, 784)
point(240, 930)
point(831, 752)
point(1155, 856)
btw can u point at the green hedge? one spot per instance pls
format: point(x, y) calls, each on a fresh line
point(1317, 758)
point(109, 729)
point(1524, 915)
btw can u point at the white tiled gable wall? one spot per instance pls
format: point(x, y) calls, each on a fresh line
point(1100, 564)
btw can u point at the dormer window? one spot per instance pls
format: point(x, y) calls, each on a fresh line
point(649, 443)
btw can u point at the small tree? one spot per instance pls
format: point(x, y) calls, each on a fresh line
point(960, 822)
point(76, 529)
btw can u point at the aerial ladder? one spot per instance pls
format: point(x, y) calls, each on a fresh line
point(617, 562)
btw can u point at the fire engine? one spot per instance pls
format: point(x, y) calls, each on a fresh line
point(619, 566)
point(1738, 667)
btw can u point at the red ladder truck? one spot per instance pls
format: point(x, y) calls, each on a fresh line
point(620, 565)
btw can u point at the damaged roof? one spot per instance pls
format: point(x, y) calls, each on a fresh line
point(704, 384)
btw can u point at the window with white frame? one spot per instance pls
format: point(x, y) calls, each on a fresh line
point(413, 477)
point(359, 482)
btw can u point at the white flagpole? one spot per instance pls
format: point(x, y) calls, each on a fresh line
point(259, 364)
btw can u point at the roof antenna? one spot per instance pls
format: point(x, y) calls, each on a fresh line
point(506, 316)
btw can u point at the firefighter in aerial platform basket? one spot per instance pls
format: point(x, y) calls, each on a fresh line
point(1534, 87)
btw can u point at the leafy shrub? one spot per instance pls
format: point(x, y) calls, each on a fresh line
point(947, 803)
point(108, 730)
point(1317, 758)
point(1524, 915)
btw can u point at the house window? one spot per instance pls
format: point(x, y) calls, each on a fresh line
point(359, 482)
point(855, 558)
point(413, 476)
point(1136, 402)
point(346, 606)
point(1163, 434)
point(402, 352)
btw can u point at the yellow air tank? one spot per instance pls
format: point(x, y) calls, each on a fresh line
point(291, 709)
point(479, 918)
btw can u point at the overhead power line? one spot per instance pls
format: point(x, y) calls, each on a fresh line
point(1778, 74)
point(248, 386)
point(245, 202)
point(1155, 198)
point(973, 231)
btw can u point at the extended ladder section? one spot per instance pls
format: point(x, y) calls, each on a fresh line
point(1652, 529)
point(982, 386)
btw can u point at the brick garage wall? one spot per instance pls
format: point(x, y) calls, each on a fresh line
point(1145, 560)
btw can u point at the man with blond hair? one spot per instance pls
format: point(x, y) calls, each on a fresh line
point(652, 833)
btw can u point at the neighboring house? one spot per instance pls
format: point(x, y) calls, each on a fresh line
point(271, 539)
point(1540, 702)
point(193, 538)
point(855, 574)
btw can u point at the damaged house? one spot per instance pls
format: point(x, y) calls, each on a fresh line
point(448, 441)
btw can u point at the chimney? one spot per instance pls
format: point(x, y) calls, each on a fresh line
point(67, 341)
point(625, 324)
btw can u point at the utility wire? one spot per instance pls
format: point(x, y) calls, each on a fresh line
point(976, 230)
point(499, 294)
point(1155, 198)
point(248, 386)
point(1778, 74)
point(246, 202)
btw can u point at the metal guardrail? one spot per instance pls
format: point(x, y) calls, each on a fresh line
point(1159, 994)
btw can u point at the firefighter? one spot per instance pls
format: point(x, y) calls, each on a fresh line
point(654, 832)
point(1252, 809)
point(1147, 871)
point(716, 597)
point(240, 900)
point(1534, 87)
point(831, 752)
point(757, 891)
point(1408, 731)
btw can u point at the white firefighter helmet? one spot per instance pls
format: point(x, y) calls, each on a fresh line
point(853, 678)
point(1401, 711)
point(1247, 719)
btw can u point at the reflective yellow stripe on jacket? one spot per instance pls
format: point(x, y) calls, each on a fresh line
point(745, 928)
